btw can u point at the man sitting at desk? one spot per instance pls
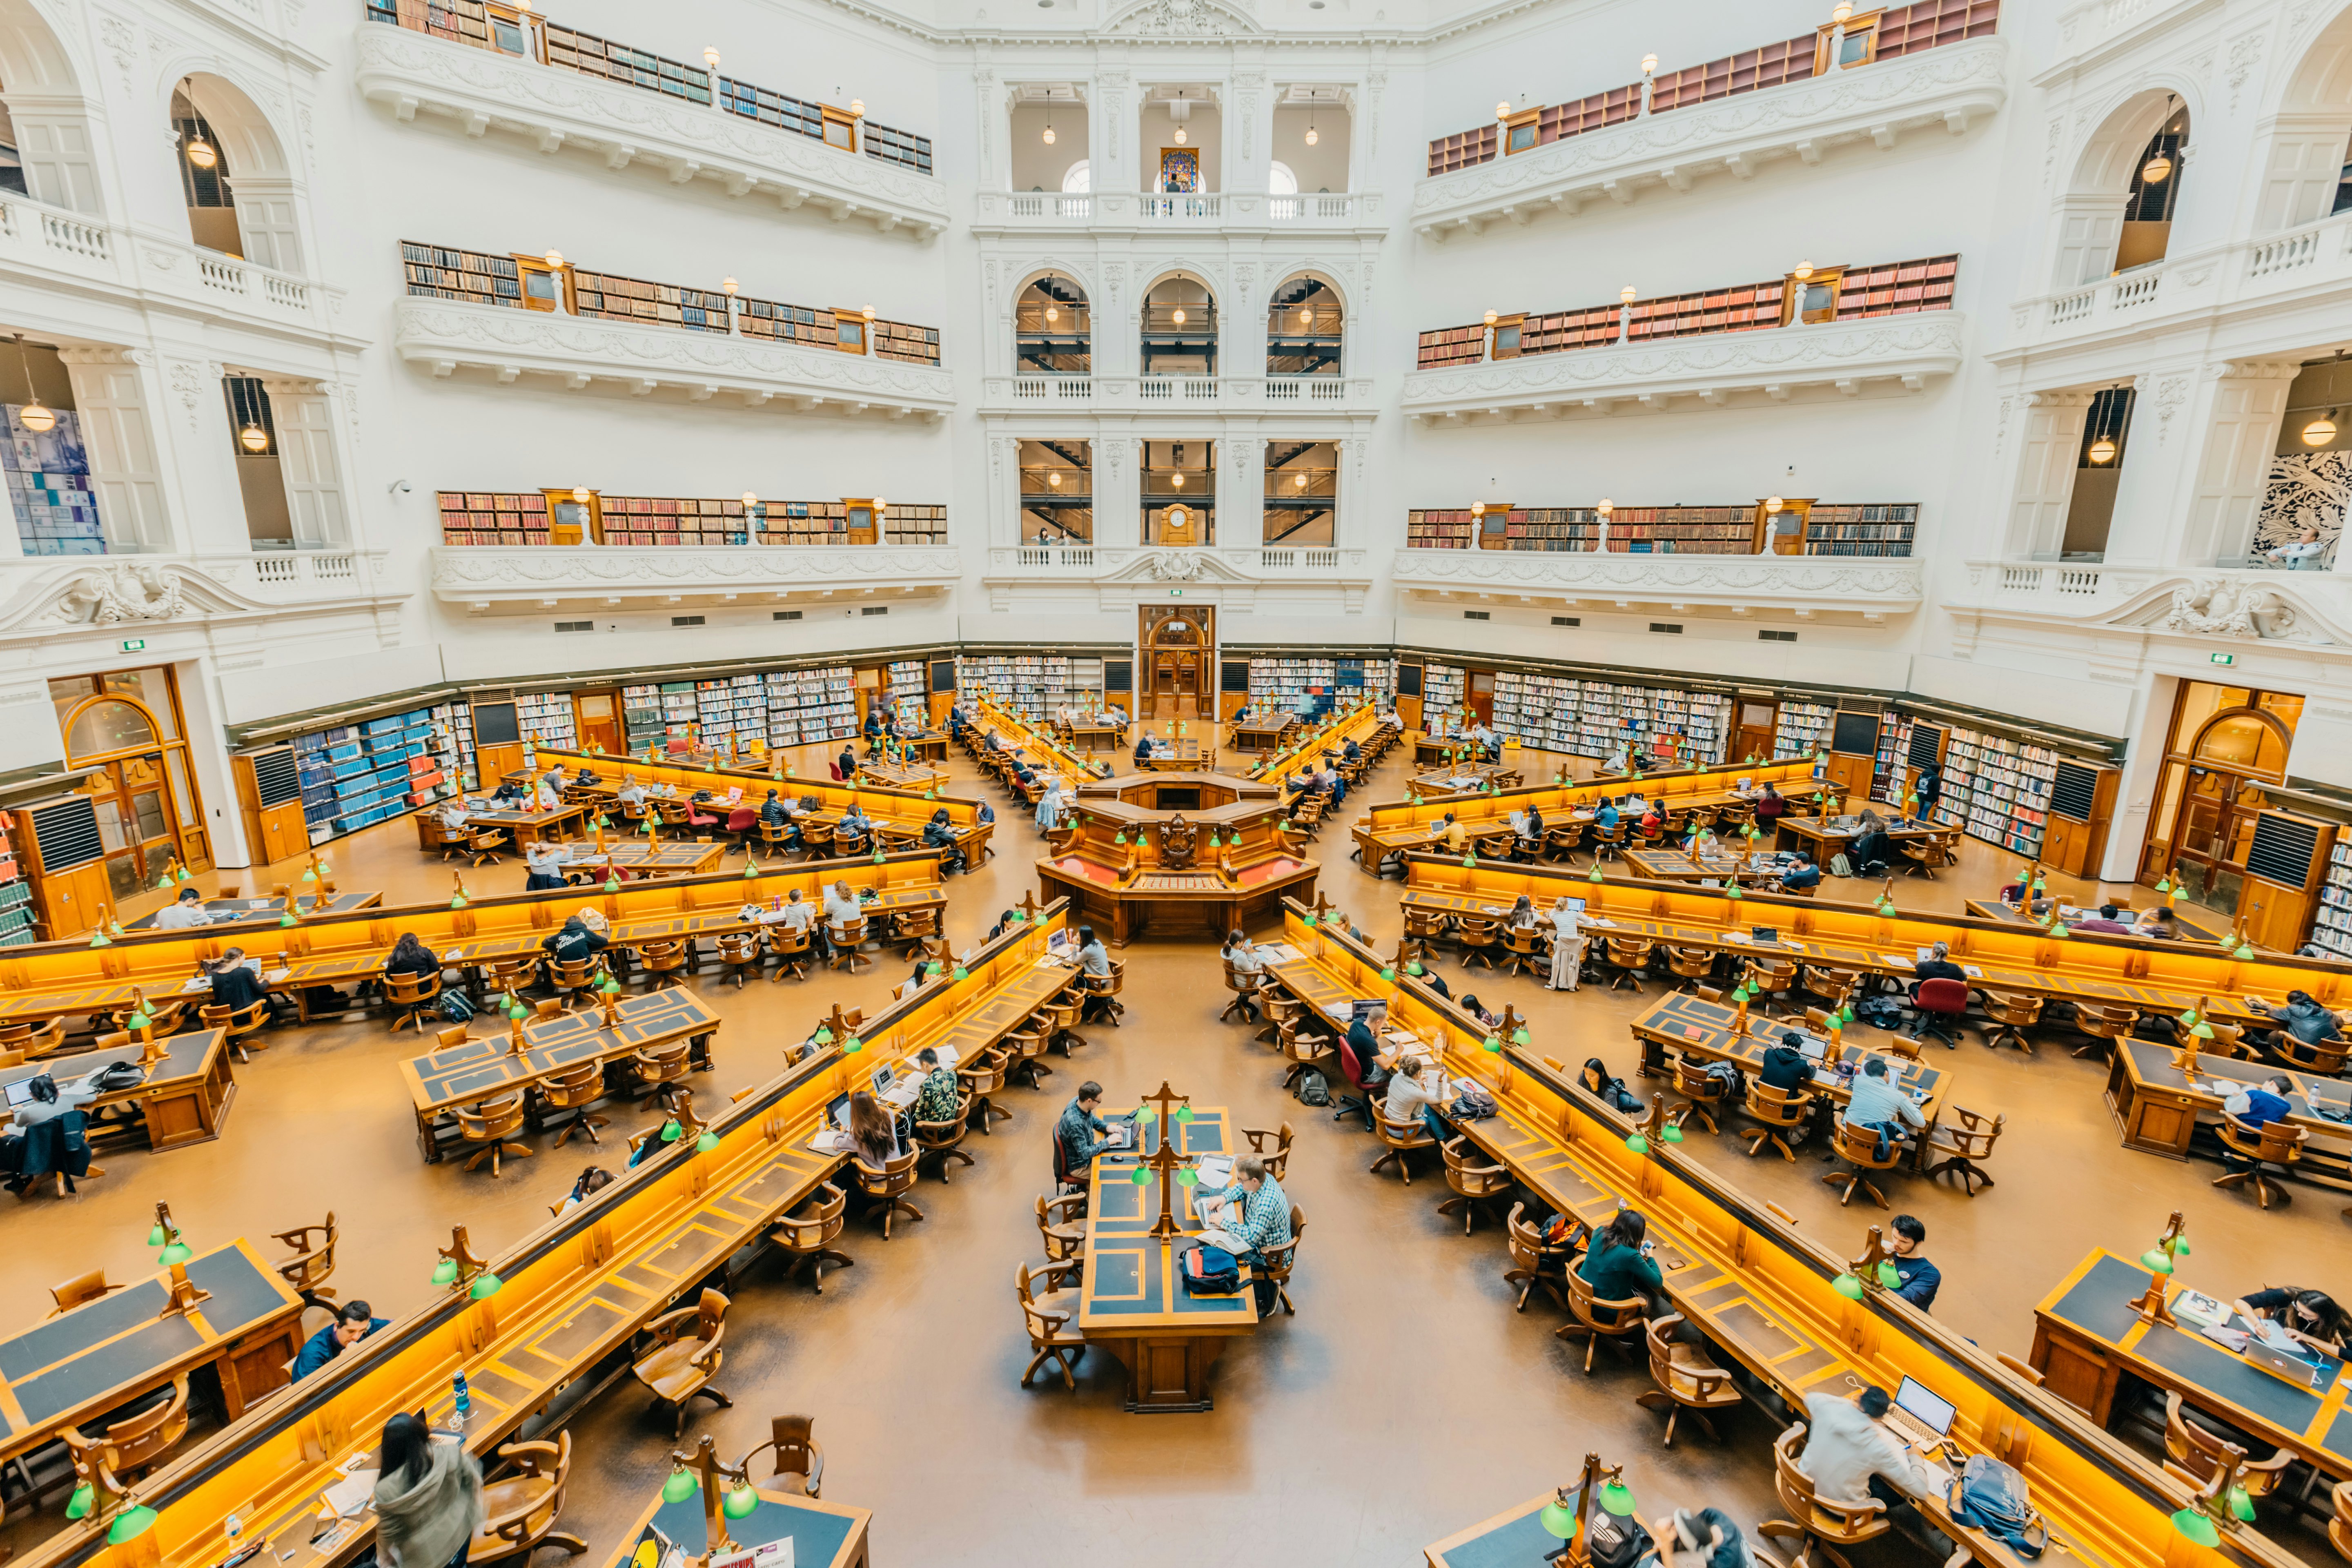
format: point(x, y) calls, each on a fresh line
point(2107, 919)
point(1920, 1278)
point(1880, 1106)
point(1803, 874)
point(1077, 1129)
point(509, 795)
point(1255, 1212)
point(2303, 1017)
point(776, 812)
point(188, 912)
point(937, 1100)
point(1786, 1066)
point(548, 793)
point(1936, 964)
point(1850, 1455)
point(1143, 747)
point(355, 1322)
point(2158, 923)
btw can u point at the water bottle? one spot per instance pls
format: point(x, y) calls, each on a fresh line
point(465, 1401)
point(232, 1526)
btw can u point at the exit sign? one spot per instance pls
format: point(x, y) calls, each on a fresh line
point(134, 645)
point(2218, 659)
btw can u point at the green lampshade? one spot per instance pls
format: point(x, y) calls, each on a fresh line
point(518, 1011)
point(678, 1487)
point(611, 987)
point(740, 1501)
point(751, 869)
point(1388, 972)
point(445, 1272)
point(157, 1236)
point(930, 795)
point(2242, 1507)
point(1595, 876)
point(1184, 1113)
point(1020, 918)
point(2192, 1523)
point(2059, 928)
point(852, 1046)
point(2156, 1260)
point(1638, 1144)
point(78, 1505)
point(1558, 1522)
point(824, 1036)
point(706, 1143)
point(139, 1518)
point(2245, 951)
point(2164, 884)
point(1309, 920)
point(603, 821)
point(310, 875)
point(1470, 859)
point(1120, 838)
point(1888, 1275)
point(1520, 1037)
point(458, 903)
point(1140, 1177)
point(287, 919)
point(1413, 969)
point(2180, 1246)
point(1847, 1286)
point(180, 872)
point(1618, 1499)
point(1671, 1133)
point(1189, 1176)
point(2203, 1030)
point(1732, 891)
point(1491, 1043)
point(932, 970)
point(1845, 1015)
point(178, 1251)
point(485, 1285)
point(138, 1020)
point(98, 939)
point(671, 1131)
point(163, 883)
point(959, 973)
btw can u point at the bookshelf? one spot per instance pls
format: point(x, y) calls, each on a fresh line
point(1031, 685)
point(476, 278)
point(1593, 718)
point(1888, 767)
point(2331, 920)
point(606, 296)
point(1447, 530)
point(1281, 682)
point(809, 706)
point(1800, 727)
point(591, 55)
point(509, 520)
point(1875, 529)
point(1872, 529)
point(903, 690)
point(478, 516)
point(356, 775)
point(545, 719)
point(1997, 789)
point(735, 708)
point(1442, 686)
point(667, 519)
point(1452, 345)
point(15, 894)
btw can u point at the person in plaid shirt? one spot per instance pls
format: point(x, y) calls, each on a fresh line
point(1256, 1213)
point(941, 1093)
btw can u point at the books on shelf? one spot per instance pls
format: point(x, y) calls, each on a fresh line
point(808, 706)
point(1800, 727)
point(903, 690)
point(1283, 683)
point(1442, 686)
point(545, 717)
point(1031, 685)
point(356, 775)
point(1871, 530)
point(1997, 789)
point(1595, 717)
point(2331, 923)
point(487, 517)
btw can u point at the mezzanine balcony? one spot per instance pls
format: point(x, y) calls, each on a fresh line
point(536, 579)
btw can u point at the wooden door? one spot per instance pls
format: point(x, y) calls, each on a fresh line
point(596, 720)
point(1179, 651)
point(1752, 728)
point(1482, 695)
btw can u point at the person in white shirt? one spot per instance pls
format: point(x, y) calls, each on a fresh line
point(543, 867)
point(1567, 946)
point(632, 792)
point(453, 816)
point(1518, 824)
point(188, 912)
point(1415, 1088)
point(2301, 556)
point(841, 908)
point(1852, 1456)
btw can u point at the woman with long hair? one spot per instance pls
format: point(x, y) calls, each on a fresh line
point(428, 1498)
point(409, 956)
point(1618, 1265)
point(873, 1131)
point(2313, 1317)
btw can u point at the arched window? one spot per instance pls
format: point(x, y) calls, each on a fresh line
point(112, 726)
point(1280, 180)
point(1079, 179)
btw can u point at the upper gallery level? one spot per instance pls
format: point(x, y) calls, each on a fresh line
point(495, 67)
point(1867, 78)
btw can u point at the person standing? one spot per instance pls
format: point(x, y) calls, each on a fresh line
point(428, 1496)
point(1567, 945)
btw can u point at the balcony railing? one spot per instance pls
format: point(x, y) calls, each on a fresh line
point(1328, 211)
point(1729, 584)
point(1350, 396)
point(530, 580)
point(2248, 274)
point(1180, 210)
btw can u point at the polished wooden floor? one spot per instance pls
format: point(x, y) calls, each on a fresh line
point(1405, 1401)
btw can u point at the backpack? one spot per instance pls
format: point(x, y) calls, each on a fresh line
point(1991, 1497)
point(1611, 1090)
point(457, 1007)
point(1314, 1089)
point(1612, 1541)
point(118, 1075)
point(1882, 1010)
point(1840, 866)
point(1734, 1084)
point(1473, 1105)
point(1210, 1271)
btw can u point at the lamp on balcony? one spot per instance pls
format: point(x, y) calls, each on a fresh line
point(2320, 431)
point(554, 259)
point(33, 417)
point(1804, 270)
point(1049, 117)
point(858, 109)
point(1489, 318)
point(253, 439)
point(1840, 12)
point(1054, 478)
point(200, 152)
point(710, 58)
point(2101, 452)
point(1649, 65)
point(1503, 110)
point(2158, 168)
point(728, 286)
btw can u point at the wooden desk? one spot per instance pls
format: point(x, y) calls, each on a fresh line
point(1362, 724)
point(925, 746)
point(898, 808)
point(1037, 740)
point(2158, 1110)
point(1457, 779)
point(1717, 865)
point(1514, 1538)
point(1132, 1304)
point(1259, 735)
point(2086, 1337)
point(569, 820)
point(1097, 737)
point(644, 856)
point(486, 1065)
point(105, 1353)
point(1173, 753)
point(184, 1098)
point(246, 913)
point(915, 776)
point(2196, 925)
point(824, 1534)
point(1828, 837)
point(1691, 1025)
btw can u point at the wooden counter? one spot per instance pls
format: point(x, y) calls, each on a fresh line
point(248, 914)
point(1258, 734)
point(183, 1099)
point(1362, 724)
point(2160, 1112)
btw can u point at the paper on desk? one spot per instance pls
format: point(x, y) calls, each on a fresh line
point(348, 1497)
point(1278, 952)
point(1897, 960)
point(1215, 1171)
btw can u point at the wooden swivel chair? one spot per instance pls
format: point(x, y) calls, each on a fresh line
point(412, 998)
point(522, 1501)
point(574, 979)
point(1833, 986)
point(808, 1236)
point(890, 1182)
point(1693, 963)
point(941, 1141)
point(664, 964)
point(1479, 936)
point(1474, 1181)
point(1424, 926)
point(1305, 1046)
point(772, 836)
point(1049, 1315)
point(1025, 1049)
point(1773, 978)
point(574, 1089)
point(1963, 1139)
point(2011, 1013)
point(791, 948)
point(240, 1025)
point(1688, 1381)
point(2325, 1059)
point(2192, 1454)
point(1059, 1228)
point(1622, 959)
point(1523, 945)
point(2279, 1144)
point(484, 844)
point(1617, 1323)
point(488, 1128)
point(739, 955)
point(82, 1288)
point(1398, 1139)
point(2340, 1527)
point(1858, 1147)
point(1832, 1523)
point(1560, 844)
point(1779, 1116)
point(1061, 1015)
point(1280, 1260)
point(137, 1444)
point(1277, 1158)
point(982, 1077)
point(1703, 1094)
point(312, 1263)
point(658, 1071)
point(677, 1366)
point(1245, 987)
point(2104, 1024)
point(845, 938)
point(1536, 1264)
point(799, 1456)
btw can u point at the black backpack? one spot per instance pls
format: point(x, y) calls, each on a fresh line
point(1614, 1542)
point(1611, 1090)
point(1208, 1271)
point(1314, 1089)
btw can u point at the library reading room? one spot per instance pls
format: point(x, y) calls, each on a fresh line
point(1624, 841)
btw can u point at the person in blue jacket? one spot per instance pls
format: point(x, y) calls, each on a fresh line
point(355, 1322)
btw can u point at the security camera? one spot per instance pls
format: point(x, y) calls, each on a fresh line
point(398, 488)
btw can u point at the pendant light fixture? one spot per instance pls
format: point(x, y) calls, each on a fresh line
point(253, 438)
point(200, 152)
point(1312, 135)
point(2320, 431)
point(2158, 168)
point(1179, 317)
point(2102, 451)
point(33, 417)
point(1049, 117)
point(1300, 482)
point(1180, 124)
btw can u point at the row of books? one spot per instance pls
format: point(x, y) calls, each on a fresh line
point(1597, 718)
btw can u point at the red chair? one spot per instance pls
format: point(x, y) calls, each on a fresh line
point(1068, 1175)
point(1357, 1104)
point(742, 822)
point(834, 769)
point(1941, 1004)
point(678, 747)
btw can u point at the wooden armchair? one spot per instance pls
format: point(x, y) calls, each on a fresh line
point(574, 1089)
point(791, 950)
point(890, 1182)
point(915, 927)
point(411, 998)
point(1963, 1137)
point(1858, 1146)
point(845, 938)
point(2279, 1144)
point(2325, 1059)
point(522, 1501)
point(940, 1139)
point(982, 1077)
point(664, 964)
point(1833, 1522)
point(1535, 1263)
point(1277, 1157)
point(1479, 936)
point(2192, 1454)
point(81, 1289)
point(484, 844)
point(675, 1368)
point(1279, 1260)
point(490, 1125)
point(313, 1262)
point(1058, 1227)
point(1398, 1139)
point(1703, 1094)
point(2104, 1026)
point(739, 955)
point(1424, 926)
point(574, 979)
point(808, 1235)
point(1244, 988)
point(659, 1069)
point(1694, 964)
point(1049, 1315)
point(1773, 977)
point(2340, 1527)
point(1834, 987)
point(138, 1442)
point(1622, 956)
point(1779, 1116)
point(1473, 1180)
point(2011, 1013)
point(1617, 1323)
point(798, 1453)
point(1687, 1379)
point(34, 1040)
point(1026, 1049)
point(240, 1026)
point(1524, 947)
point(1560, 844)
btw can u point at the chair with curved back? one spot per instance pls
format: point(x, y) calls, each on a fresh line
point(484, 844)
point(791, 948)
point(1060, 1225)
point(312, 1263)
point(678, 1366)
point(521, 1506)
point(664, 963)
point(914, 928)
point(488, 1128)
point(1688, 1381)
point(1772, 978)
point(2011, 1013)
point(1479, 935)
point(808, 1235)
point(2340, 1525)
point(1779, 1116)
point(1026, 1050)
point(1307, 1047)
point(982, 1077)
point(941, 1141)
point(845, 938)
point(1963, 1137)
point(241, 1025)
point(1398, 1139)
point(81, 1290)
point(138, 1442)
point(2192, 1454)
point(1277, 1261)
point(739, 955)
point(1833, 1522)
point(890, 1183)
point(1942, 1002)
point(1049, 1316)
point(2325, 1059)
point(2279, 1144)
point(574, 979)
point(1858, 1147)
point(1616, 1323)
point(1704, 1093)
point(1277, 1157)
point(658, 1071)
point(2104, 1024)
point(1693, 963)
point(1473, 1180)
point(411, 999)
point(1524, 946)
point(1624, 958)
point(574, 1089)
point(1536, 1264)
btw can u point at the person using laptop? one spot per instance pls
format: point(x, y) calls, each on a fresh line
point(236, 986)
point(1081, 1133)
point(941, 1093)
point(1786, 1066)
point(1851, 1455)
point(1255, 1212)
point(2302, 1017)
point(1921, 1278)
point(187, 913)
point(1881, 1107)
point(2308, 1317)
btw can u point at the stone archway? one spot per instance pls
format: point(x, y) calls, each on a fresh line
point(1177, 666)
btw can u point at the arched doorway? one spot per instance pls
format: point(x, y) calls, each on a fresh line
point(2228, 747)
point(125, 727)
point(1179, 654)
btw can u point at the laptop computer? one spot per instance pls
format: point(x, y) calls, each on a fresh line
point(836, 1114)
point(2295, 1365)
point(1920, 1414)
point(21, 1092)
point(1764, 933)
